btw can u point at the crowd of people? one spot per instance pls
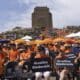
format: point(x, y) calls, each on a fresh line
point(10, 53)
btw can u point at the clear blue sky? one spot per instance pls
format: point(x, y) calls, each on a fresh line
point(18, 12)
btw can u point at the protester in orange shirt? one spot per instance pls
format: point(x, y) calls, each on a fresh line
point(33, 47)
point(5, 49)
point(2, 60)
point(25, 54)
point(13, 54)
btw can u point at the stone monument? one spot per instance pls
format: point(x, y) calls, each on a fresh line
point(42, 18)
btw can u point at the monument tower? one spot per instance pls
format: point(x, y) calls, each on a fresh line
point(41, 17)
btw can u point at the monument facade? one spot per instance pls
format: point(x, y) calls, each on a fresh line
point(42, 18)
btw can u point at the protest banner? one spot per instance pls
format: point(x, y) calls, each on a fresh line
point(61, 63)
point(41, 64)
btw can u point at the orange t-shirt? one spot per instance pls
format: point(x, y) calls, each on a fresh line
point(13, 54)
point(1, 56)
point(1, 63)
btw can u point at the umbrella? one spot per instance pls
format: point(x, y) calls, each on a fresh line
point(77, 34)
point(47, 40)
point(58, 40)
point(71, 35)
point(19, 41)
point(27, 37)
point(38, 42)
